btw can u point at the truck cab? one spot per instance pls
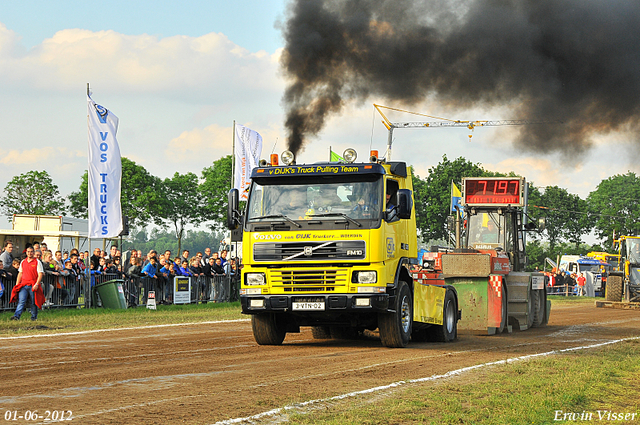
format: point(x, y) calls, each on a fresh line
point(328, 245)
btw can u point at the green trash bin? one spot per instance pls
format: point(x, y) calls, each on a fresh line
point(112, 294)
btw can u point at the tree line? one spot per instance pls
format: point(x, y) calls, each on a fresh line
point(175, 202)
point(614, 206)
point(189, 199)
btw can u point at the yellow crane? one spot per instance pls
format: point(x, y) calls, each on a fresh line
point(444, 123)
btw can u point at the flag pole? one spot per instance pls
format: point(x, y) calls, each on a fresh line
point(329, 153)
point(233, 154)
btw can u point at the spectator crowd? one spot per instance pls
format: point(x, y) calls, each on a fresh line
point(59, 277)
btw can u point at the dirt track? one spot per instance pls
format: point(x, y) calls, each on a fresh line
point(207, 373)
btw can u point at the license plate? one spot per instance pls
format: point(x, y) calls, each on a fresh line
point(308, 306)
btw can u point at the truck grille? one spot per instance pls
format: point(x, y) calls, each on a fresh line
point(309, 280)
point(309, 251)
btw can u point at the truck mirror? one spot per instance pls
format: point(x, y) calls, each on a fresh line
point(232, 209)
point(405, 203)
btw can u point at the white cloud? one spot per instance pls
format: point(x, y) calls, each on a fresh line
point(176, 95)
point(142, 63)
point(209, 140)
point(38, 156)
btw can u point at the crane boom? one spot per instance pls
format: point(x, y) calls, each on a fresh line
point(444, 123)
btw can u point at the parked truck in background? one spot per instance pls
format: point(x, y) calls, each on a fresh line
point(590, 268)
point(327, 245)
point(494, 291)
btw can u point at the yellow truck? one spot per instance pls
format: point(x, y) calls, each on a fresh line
point(328, 245)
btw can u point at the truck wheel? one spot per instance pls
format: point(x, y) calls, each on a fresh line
point(395, 328)
point(343, 332)
point(268, 329)
point(320, 332)
point(533, 306)
point(614, 289)
point(448, 331)
point(538, 315)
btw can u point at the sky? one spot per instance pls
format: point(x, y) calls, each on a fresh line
point(178, 74)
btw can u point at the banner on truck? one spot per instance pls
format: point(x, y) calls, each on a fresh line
point(105, 173)
point(247, 151)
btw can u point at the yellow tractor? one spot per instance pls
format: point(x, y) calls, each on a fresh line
point(624, 285)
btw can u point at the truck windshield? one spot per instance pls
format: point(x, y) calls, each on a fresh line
point(633, 248)
point(594, 268)
point(326, 200)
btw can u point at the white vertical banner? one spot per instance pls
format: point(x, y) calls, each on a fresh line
point(105, 173)
point(248, 150)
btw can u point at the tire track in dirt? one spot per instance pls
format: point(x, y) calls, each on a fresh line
point(203, 373)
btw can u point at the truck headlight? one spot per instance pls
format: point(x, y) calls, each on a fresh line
point(370, 276)
point(287, 157)
point(253, 279)
point(350, 155)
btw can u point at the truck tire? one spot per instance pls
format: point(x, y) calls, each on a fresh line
point(533, 306)
point(320, 332)
point(539, 305)
point(448, 331)
point(268, 329)
point(614, 288)
point(395, 328)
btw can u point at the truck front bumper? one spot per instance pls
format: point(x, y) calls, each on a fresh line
point(353, 303)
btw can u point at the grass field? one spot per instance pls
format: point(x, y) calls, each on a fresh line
point(538, 391)
point(562, 300)
point(69, 320)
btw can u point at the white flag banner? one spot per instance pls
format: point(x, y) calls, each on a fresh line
point(105, 173)
point(248, 150)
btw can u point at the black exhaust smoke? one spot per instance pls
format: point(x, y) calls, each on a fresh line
point(574, 61)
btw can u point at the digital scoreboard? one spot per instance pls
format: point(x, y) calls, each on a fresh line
point(493, 191)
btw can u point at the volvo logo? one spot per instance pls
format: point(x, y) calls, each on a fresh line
point(266, 237)
point(308, 251)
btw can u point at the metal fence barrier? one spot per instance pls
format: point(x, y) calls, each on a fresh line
point(565, 290)
point(59, 291)
point(74, 292)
